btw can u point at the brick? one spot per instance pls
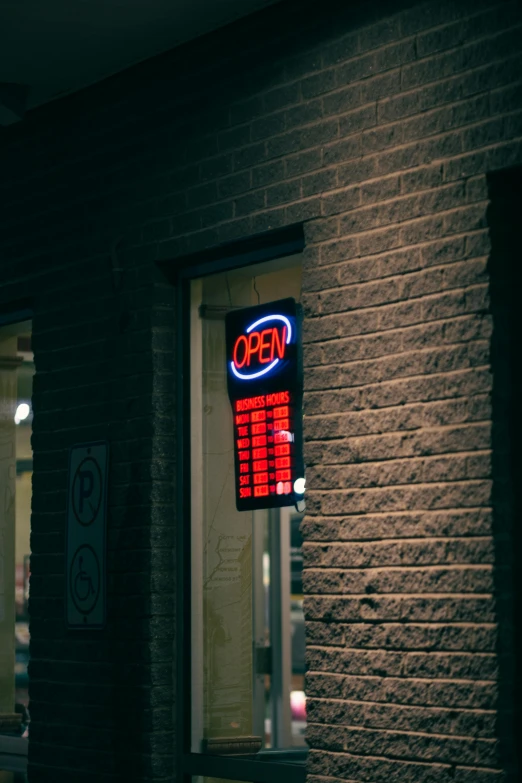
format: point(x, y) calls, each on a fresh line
point(356, 68)
point(303, 210)
point(512, 126)
point(357, 171)
point(421, 178)
point(237, 137)
point(381, 189)
point(469, 83)
point(504, 155)
point(319, 84)
point(468, 56)
point(244, 111)
point(250, 203)
point(301, 139)
point(466, 219)
point(380, 86)
point(506, 99)
point(303, 163)
point(279, 194)
point(216, 214)
point(376, 500)
point(478, 244)
point(456, 34)
point(317, 280)
point(216, 167)
point(303, 63)
point(202, 195)
point(383, 59)
point(265, 221)
point(249, 156)
point(483, 134)
point(341, 202)
point(303, 114)
point(341, 250)
point(406, 718)
point(465, 165)
point(379, 33)
point(342, 101)
point(379, 215)
point(382, 138)
point(358, 120)
point(320, 230)
point(319, 133)
point(237, 183)
point(268, 126)
point(464, 775)
point(346, 47)
point(318, 183)
point(268, 174)
point(398, 106)
point(281, 97)
point(395, 608)
point(418, 524)
point(440, 120)
point(422, 229)
point(364, 742)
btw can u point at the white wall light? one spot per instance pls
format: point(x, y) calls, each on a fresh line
point(22, 412)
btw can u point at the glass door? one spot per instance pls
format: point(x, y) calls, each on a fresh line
point(246, 630)
point(279, 638)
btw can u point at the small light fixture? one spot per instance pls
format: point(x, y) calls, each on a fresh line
point(299, 486)
point(22, 412)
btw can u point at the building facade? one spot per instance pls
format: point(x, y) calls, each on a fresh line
point(377, 146)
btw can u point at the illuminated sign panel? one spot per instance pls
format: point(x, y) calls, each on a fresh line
point(264, 372)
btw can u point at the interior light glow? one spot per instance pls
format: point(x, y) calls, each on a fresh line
point(298, 705)
point(22, 412)
point(299, 486)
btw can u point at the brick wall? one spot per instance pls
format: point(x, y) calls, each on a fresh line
point(376, 125)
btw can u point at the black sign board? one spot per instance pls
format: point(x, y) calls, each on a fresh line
point(265, 374)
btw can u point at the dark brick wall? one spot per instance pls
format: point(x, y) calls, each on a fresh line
point(376, 124)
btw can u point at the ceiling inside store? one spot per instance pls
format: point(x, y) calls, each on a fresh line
point(56, 47)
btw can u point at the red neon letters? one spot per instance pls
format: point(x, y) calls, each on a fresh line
point(262, 346)
point(264, 445)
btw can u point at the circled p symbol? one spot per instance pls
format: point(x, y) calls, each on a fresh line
point(87, 491)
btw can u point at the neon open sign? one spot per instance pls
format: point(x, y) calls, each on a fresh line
point(264, 371)
point(259, 351)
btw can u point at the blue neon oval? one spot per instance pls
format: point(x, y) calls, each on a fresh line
point(271, 366)
point(273, 318)
point(255, 374)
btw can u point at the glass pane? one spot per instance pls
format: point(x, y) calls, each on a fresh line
point(222, 538)
point(16, 374)
point(297, 693)
point(228, 715)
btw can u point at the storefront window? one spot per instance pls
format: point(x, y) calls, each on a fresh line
point(16, 374)
point(247, 629)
